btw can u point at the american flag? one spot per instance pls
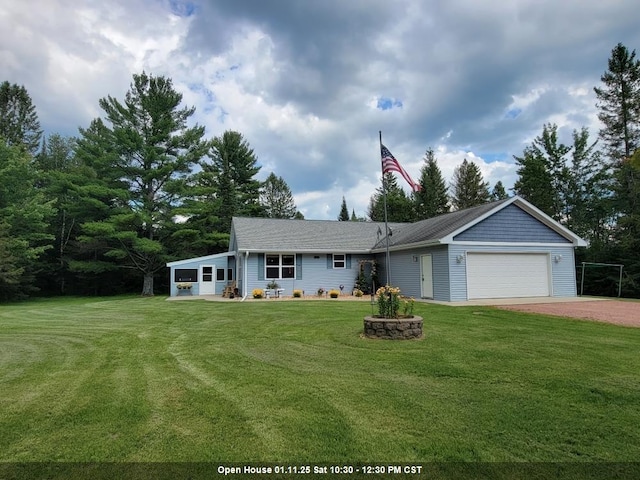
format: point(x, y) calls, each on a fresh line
point(390, 164)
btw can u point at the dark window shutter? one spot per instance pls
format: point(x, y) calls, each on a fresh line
point(298, 267)
point(329, 260)
point(348, 264)
point(261, 266)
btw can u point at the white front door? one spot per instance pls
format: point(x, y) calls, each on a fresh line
point(426, 270)
point(207, 280)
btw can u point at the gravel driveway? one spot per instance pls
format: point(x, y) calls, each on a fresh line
point(610, 311)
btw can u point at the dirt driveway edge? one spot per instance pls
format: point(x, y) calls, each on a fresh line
point(626, 313)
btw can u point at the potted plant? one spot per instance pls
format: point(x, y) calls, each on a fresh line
point(320, 291)
point(334, 293)
point(297, 293)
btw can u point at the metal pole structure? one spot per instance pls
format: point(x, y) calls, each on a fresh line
point(620, 283)
point(386, 226)
point(582, 280)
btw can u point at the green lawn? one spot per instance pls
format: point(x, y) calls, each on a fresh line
point(146, 380)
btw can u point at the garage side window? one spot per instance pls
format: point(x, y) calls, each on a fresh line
point(185, 275)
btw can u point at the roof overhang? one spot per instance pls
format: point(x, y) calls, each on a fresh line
point(177, 263)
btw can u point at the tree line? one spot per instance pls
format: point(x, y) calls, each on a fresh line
point(103, 212)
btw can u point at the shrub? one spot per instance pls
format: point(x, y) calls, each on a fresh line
point(357, 292)
point(334, 293)
point(320, 291)
point(297, 293)
point(257, 293)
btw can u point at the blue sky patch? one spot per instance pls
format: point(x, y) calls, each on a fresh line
point(385, 103)
point(181, 8)
point(513, 113)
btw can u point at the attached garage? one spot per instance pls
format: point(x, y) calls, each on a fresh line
point(508, 275)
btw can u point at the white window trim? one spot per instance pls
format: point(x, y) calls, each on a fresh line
point(280, 266)
point(344, 261)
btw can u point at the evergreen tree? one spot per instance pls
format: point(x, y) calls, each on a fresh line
point(432, 200)
point(19, 123)
point(589, 196)
point(230, 176)
point(148, 151)
point(468, 187)
point(344, 211)
point(24, 216)
point(399, 206)
point(277, 200)
point(499, 192)
point(619, 104)
point(354, 218)
point(544, 174)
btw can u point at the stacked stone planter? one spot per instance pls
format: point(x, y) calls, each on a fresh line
point(393, 328)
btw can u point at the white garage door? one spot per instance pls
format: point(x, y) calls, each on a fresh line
point(507, 275)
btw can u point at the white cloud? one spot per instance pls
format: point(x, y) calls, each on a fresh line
point(310, 87)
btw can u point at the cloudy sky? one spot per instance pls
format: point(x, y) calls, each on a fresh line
point(309, 83)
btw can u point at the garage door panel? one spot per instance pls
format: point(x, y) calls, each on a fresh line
point(507, 275)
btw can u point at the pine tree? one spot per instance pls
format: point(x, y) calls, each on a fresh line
point(619, 104)
point(277, 200)
point(19, 123)
point(544, 173)
point(24, 216)
point(468, 187)
point(432, 199)
point(147, 151)
point(399, 207)
point(231, 176)
point(499, 192)
point(344, 211)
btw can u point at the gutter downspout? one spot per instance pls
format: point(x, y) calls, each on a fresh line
point(245, 276)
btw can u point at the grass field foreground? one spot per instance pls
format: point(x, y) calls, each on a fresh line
point(145, 380)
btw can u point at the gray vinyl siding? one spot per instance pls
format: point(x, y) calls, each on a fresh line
point(405, 272)
point(511, 224)
point(563, 278)
point(311, 272)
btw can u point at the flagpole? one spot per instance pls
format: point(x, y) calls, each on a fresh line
point(386, 225)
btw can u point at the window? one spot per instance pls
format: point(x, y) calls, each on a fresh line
point(220, 274)
point(339, 260)
point(280, 266)
point(207, 274)
point(186, 275)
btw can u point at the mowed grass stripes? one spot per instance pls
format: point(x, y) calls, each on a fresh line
point(133, 379)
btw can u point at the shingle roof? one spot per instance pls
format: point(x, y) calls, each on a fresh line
point(277, 235)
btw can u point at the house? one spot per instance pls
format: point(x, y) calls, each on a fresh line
point(502, 249)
